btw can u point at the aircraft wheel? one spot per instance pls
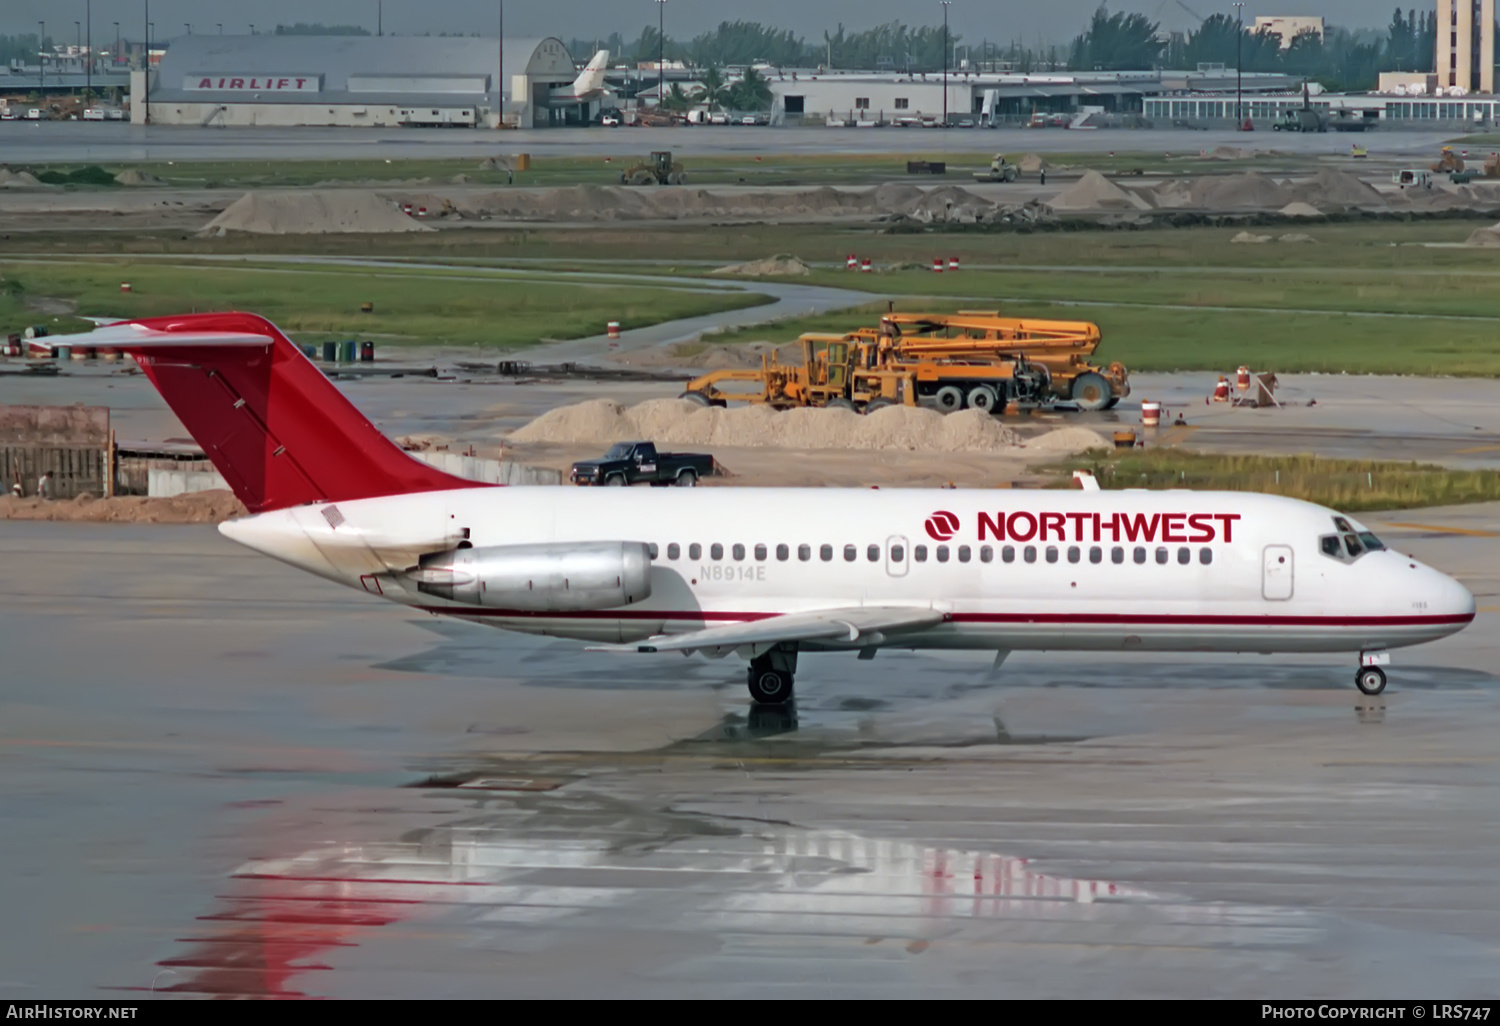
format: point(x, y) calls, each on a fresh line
point(697, 397)
point(770, 687)
point(1090, 391)
point(983, 397)
point(1370, 680)
point(949, 398)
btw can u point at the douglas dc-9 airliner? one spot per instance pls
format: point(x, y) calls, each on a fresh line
point(766, 573)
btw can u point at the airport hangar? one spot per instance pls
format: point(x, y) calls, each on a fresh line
point(378, 81)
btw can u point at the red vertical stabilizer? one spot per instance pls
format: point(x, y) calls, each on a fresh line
point(271, 422)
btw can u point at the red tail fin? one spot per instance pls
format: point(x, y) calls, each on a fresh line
point(271, 422)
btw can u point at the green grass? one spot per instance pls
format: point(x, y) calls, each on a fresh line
point(316, 303)
point(1348, 485)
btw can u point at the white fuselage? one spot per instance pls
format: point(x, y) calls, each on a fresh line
point(1120, 570)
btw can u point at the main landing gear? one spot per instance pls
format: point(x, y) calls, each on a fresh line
point(1370, 679)
point(772, 675)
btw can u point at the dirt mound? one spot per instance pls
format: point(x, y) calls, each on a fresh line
point(1295, 237)
point(947, 203)
point(18, 179)
point(312, 212)
point(1237, 192)
point(1331, 188)
point(1173, 195)
point(780, 264)
point(1250, 237)
point(1489, 238)
point(893, 196)
point(1095, 192)
point(1067, 441)
point(681, 423)
point(1300, 209)
point(460, 179)
point(131, 176)
point(1031, 163)
point(209, 507)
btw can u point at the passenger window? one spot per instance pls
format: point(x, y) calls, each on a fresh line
point(850, 553)
point(898, 554)
point(964, 553)
point(1140, 554)
point(716, 551)
point(1162, 555)
point(1184, 556)
point(783, 553)
point(1074, 553)
point(919, 553)
point(1029, 553)
point(695, 551)
point(760, 553)
point(1008, 554)
point(986, 554)
point(674, 551)
point(1117, 554)
point(651, 548)
point(804, 552)
point(738, 551)
point(1205, 555)
point(872, 553)
point(825, 553)
point(942, 553)
point(1096, 554)
point(1052, 553)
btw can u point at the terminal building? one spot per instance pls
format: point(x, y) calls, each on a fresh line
point(352, 80)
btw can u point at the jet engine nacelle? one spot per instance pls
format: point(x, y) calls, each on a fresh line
point(540, 578)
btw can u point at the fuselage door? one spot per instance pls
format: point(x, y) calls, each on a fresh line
point(1276, 573)
point(897, 552)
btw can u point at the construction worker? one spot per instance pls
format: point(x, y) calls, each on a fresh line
point(44, 486)
point(1043, 174)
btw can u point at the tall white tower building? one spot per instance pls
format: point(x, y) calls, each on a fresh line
point(1466, 45)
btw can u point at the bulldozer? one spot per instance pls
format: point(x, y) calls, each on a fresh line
point(660, 169)
point(860, 373)
point(1000, 170)
point(1060, 348)
point(1449, 162)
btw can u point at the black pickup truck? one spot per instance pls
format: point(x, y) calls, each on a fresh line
point(629, 463)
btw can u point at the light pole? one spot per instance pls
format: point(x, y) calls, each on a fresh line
point(661, 52)
point(117, 43)
point(41, 60)
point(500, 84)
point(1239, 60)
point(946, 5)
point(146, 68)
point(88, 37)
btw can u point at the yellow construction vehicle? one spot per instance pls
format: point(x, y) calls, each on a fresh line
point(1060, 348)
point(1449, 162)
point(859, 372)
point(661, 169)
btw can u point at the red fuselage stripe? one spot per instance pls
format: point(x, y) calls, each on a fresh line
point(1096, 619)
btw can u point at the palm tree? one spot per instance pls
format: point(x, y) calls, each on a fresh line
point(676, 99)
point(715, 90)
point(752, 92)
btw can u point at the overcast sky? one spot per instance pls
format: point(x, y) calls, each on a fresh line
point(976, 20)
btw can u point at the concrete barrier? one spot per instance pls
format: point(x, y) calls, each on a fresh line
point(165, 483)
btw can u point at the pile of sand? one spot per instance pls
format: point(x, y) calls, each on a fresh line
point(780, 264)
point(1295, 237)
point(1172, 195)
point(1300, 209)
point(1068, 441)
point(460, 179)
point(17, 179)
point(130, 176)
point(1331, 188)
point(209, 507)
point(677, 422)
point(1250, 237)
point(1031, 163)
point(1237, 192)
point(1095, 192)
point(1489, 238)
point(312, 212)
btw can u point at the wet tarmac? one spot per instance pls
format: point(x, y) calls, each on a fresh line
point(219, 776)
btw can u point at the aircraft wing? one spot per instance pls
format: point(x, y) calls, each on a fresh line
point(851, 625)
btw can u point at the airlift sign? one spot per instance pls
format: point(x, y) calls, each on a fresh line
point(203, 82)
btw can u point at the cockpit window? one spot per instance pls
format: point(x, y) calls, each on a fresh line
point(1355, 548)
point(1331, 546)
point(1342, 526)
point(1349, 544)
point(1371, 543)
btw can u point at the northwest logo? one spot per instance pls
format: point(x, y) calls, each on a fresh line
point(942, 525)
